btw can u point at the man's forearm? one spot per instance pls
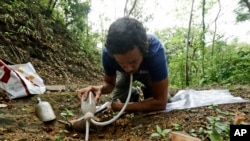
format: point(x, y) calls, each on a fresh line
point(106, 88)
point(143, 106)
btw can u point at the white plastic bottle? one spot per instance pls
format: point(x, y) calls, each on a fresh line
point(44, 111)
point(89, 104)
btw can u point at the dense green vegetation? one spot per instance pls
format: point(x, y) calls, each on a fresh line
point(228, 65)
point(58, 32)
point(49, 33)
point(200, 56)
point(48, 24)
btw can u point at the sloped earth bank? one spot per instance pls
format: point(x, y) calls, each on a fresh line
point(18, 121)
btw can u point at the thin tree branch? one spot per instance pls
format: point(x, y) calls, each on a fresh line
point(133, 7)
point(126, 8)
point(215, 27)
point(247, 4)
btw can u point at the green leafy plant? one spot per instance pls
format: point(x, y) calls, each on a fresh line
point(8, 17)
point(161, 133)
point(192, 132)
point(218, 130)
point(177, 127)
point(60, 137)
point(66, 114)
point(24, 29)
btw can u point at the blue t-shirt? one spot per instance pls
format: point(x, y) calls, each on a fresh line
point(154, 63)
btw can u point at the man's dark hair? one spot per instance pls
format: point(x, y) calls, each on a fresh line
point(124, 34)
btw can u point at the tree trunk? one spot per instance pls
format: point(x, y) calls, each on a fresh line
point(188, 45)
point(213, 41)
point(215, 27)
point(50, 8)
point(203, 35)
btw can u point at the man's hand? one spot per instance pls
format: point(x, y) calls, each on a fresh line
point(96, 90)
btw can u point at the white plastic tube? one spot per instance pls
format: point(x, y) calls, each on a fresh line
point(87, 131)
point(111, 120)
point(122, 110)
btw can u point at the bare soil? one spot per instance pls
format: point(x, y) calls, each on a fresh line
point(18, 121)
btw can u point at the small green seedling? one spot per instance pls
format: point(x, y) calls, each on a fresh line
point(66, 114)
point(177, 127)
point(192, 132)
point(218, 130)
point(60, 137)
point(161, 133)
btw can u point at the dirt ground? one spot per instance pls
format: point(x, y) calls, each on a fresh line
point(18, 121)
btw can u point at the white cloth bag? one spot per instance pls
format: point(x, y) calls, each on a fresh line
point(20, 80)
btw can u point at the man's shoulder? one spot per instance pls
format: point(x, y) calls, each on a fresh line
point(152, 37)
point(105, 55)
point(154, 44)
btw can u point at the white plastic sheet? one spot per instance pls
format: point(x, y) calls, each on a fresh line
point(20, 80)
point(185, 99)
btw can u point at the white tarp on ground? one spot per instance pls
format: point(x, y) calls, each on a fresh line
point(185, 99)
point(20, 80)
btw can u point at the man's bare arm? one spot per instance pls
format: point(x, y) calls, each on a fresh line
point(157, 102)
